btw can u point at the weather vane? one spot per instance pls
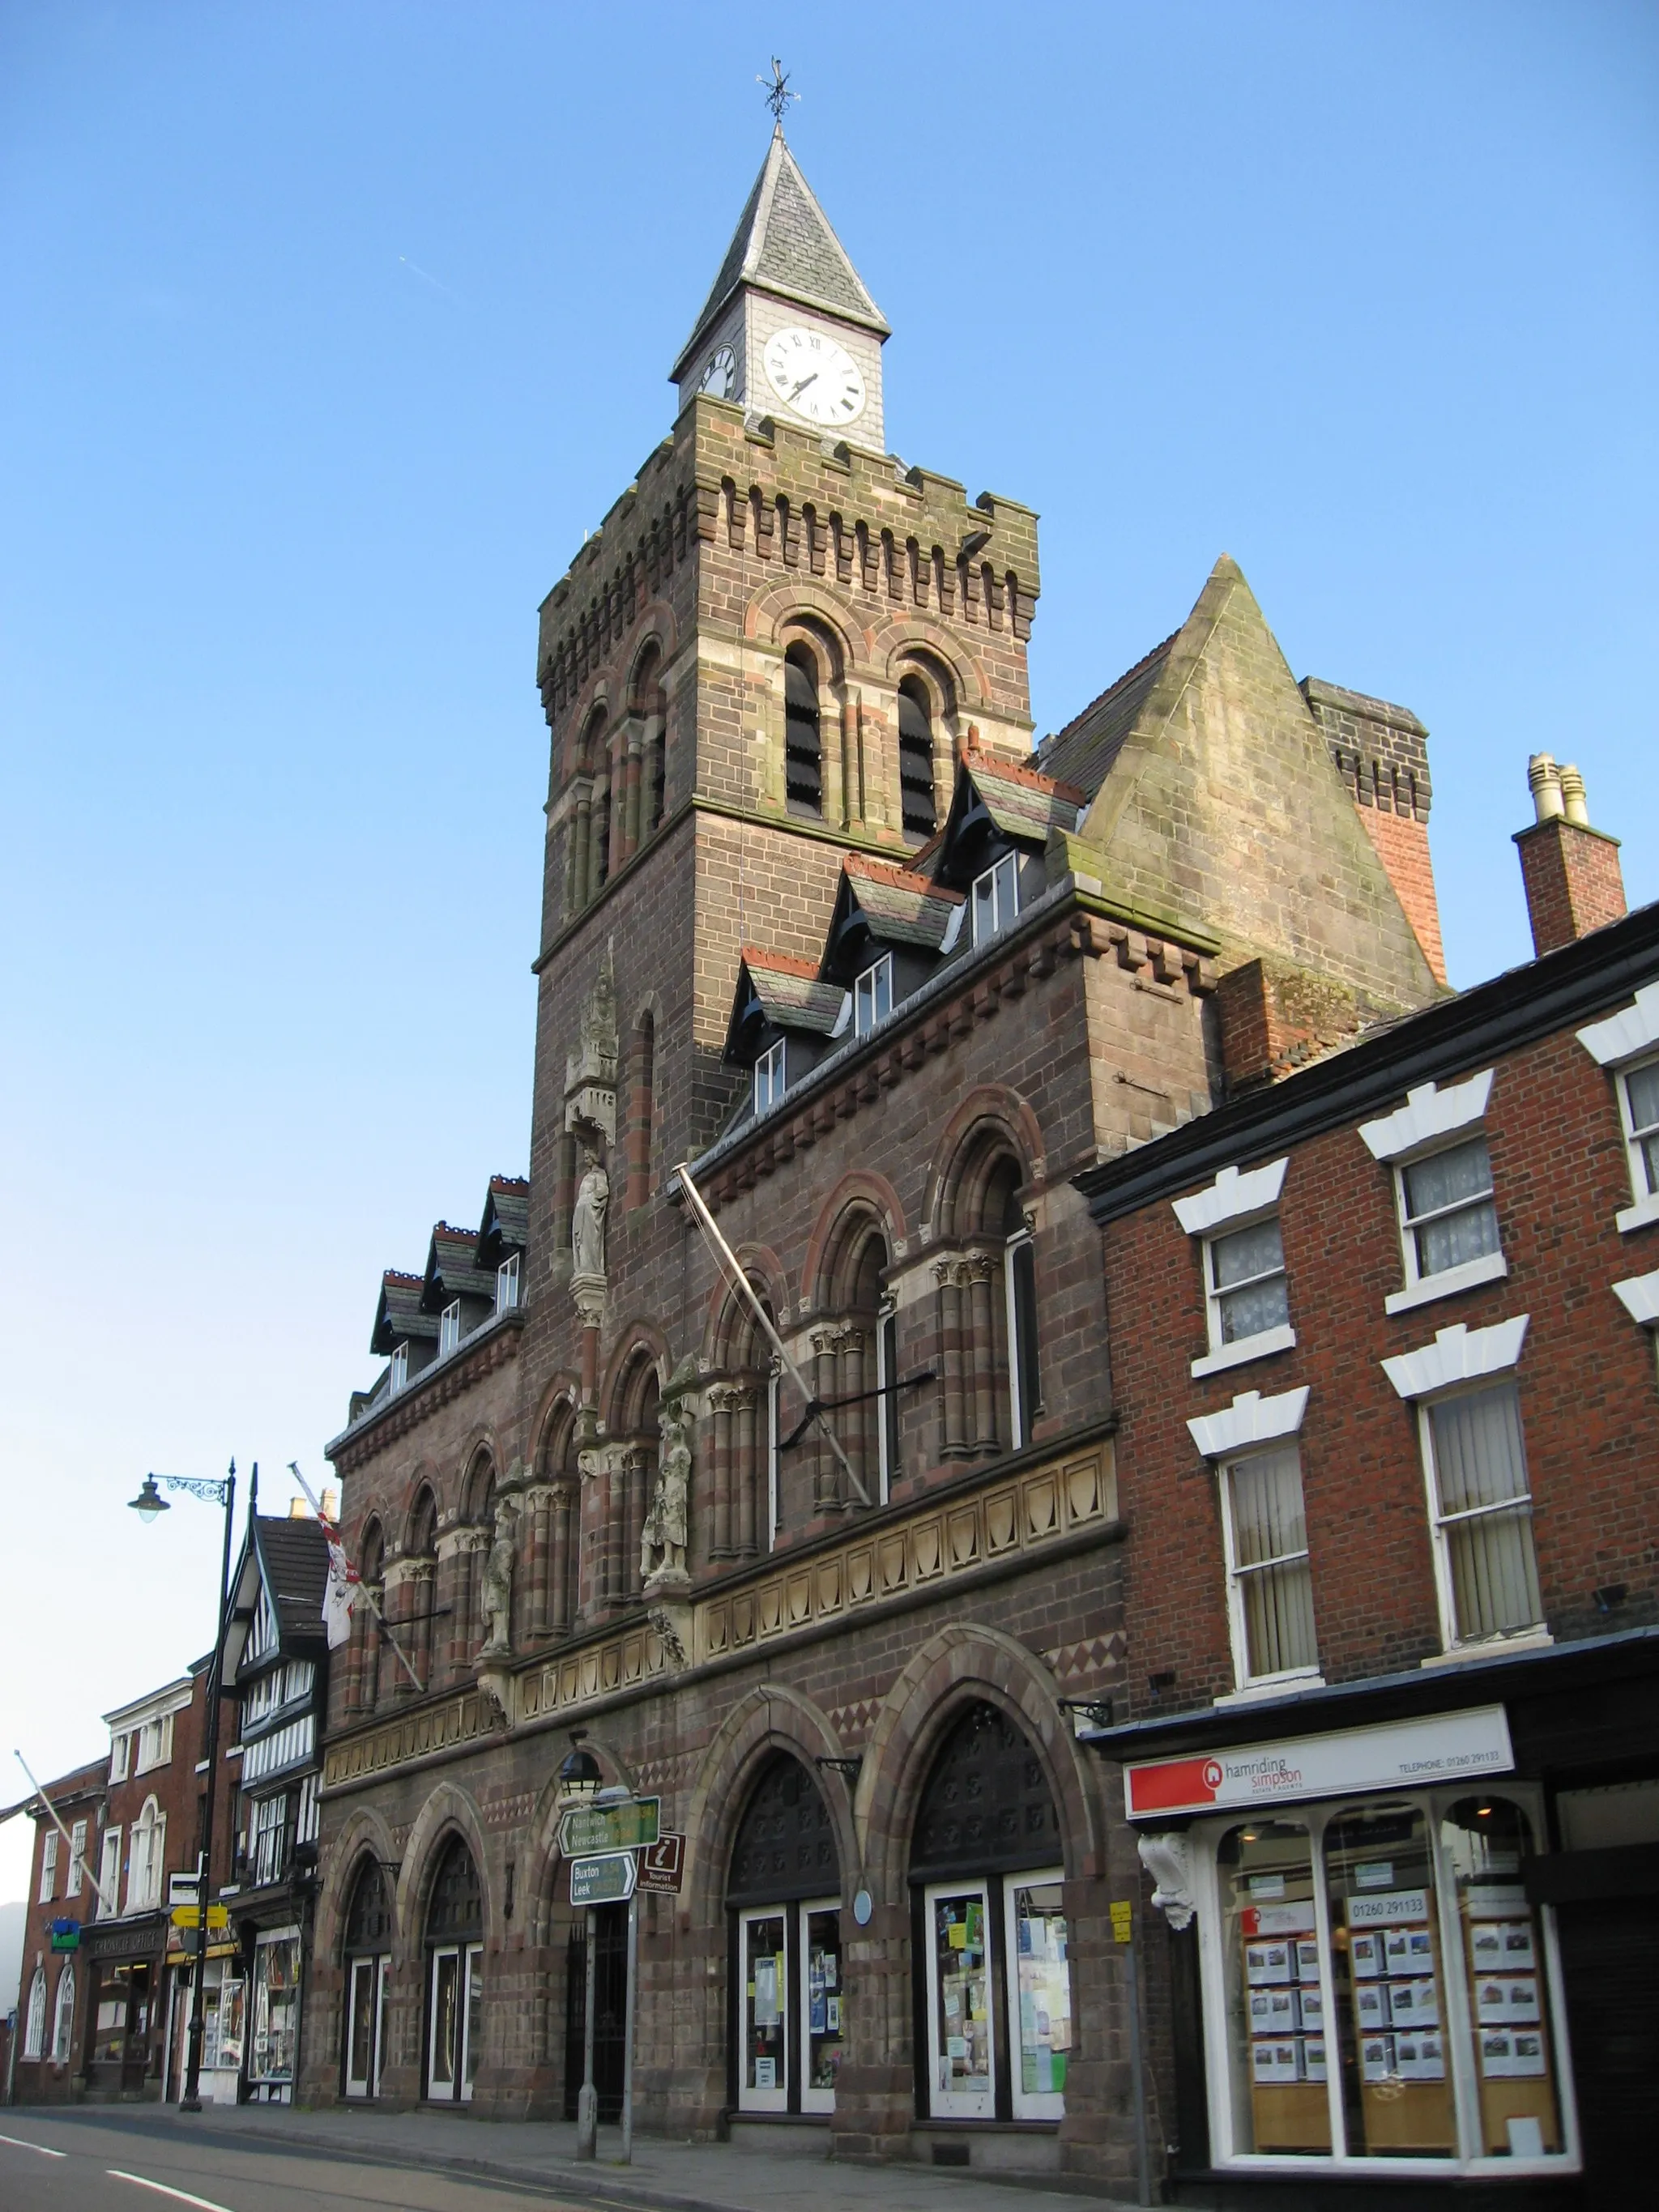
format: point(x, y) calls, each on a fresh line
point(778, 95)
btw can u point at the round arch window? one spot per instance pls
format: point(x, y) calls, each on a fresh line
point(989, 1922)
point(783, 1889)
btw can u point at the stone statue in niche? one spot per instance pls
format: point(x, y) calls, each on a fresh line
point(664, 1538)
point(588, 1222)
point(496, 1595)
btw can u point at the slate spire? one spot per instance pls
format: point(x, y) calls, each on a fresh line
point(784, 245)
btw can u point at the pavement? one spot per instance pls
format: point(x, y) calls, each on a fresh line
point(272, 2158)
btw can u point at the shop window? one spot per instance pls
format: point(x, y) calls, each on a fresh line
point(1275, 1994)
point(1389, 1998)
point(1269, 1587)
point(990, 1929)
point(1486, 1570)
point(1506, 1989)
point(995, 899)
point(276, 2008)
point(369, 1961)
point(789, 1987)
point(63, 2021)
point(872, 995)
point(454, 1934)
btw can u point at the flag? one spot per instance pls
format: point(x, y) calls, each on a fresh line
point(340, 1593)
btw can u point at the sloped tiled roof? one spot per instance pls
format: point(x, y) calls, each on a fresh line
point(902, 907)
point(791, 993)
point(451, 1268)
point(398, 1314)
point(294, 1560)
point(784, 244)
point(1084, 749)
point(1022, 801)
point(506, 1224)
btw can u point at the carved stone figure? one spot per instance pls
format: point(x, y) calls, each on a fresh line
point(588, 1222)
point(497, 1589)
point(665, 1533)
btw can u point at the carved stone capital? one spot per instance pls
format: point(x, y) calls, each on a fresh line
point(415, 1567)
point(731, 1397)
point(588, 1295)
point(461, 1539)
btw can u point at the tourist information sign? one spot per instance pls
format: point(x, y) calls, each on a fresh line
point(586, 1829)
point(606, 1878)
point(662, 1864)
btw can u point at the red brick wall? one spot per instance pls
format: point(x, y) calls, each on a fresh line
point(1573, 880)
point(1589, 1403)
point(1402, 845)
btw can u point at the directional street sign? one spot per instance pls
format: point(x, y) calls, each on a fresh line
point(586, 1829)
point(190, 1916)
point(663, 1863)
point(606, 1878)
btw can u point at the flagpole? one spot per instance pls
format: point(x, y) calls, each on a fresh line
point(337, 1542)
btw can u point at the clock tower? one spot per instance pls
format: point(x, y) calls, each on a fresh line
point(788, 328)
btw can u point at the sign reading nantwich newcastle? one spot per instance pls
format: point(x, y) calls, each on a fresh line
point(586, 1829)
point(1399, 1754)
point(607, 1879)
point(663, 1863)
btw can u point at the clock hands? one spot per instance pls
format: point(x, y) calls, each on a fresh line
point(802, 385)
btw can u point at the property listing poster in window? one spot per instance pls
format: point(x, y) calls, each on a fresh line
point(275, 2007)
point(1275, 1994)
point(1042, 1993)
point(1485, 1839)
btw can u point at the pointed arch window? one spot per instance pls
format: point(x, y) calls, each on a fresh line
point(803, 744)
point(34, 2033)
point(62, 2024)
point(369, 1961)
point(144, 1861)
point(916, 735)
point(454, 1937)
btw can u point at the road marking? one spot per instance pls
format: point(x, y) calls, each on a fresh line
point(161, 2189)
point(17, 2143)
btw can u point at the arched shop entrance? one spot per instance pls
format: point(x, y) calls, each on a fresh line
point(368, 1963)
point(789, 1989)
point(609, 2008)
point(454, 1981)
point(994, 1996)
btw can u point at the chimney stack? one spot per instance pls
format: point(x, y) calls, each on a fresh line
point(1573, 880)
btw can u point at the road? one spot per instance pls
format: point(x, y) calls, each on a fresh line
point(115, 2164)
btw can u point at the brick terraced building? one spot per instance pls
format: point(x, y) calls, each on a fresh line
point(820, 921)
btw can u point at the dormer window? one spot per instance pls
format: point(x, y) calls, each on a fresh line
point(769, 1077)
point(449, 1327)
point(996, 898)
point(507, 1285)
point(872, 995)
point(400, 1367)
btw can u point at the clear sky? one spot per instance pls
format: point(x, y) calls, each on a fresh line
point(331, 328)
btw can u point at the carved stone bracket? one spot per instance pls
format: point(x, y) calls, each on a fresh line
point(587, 1294)
point(1168, 1859)
point(673, 1622)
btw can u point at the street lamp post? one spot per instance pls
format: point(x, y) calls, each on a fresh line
point(148, 1503)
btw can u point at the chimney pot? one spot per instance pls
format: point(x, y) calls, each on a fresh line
point(1545, 778)
point(1572, 798)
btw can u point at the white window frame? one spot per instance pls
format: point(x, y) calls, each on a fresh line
point(63, 2016)
point(48, 1867)
point(1434, 1118)
point(117, 1758)
point(109, 1876)
point(776, 2099)
point(1001, 883)
point(35, 2027)
point(1237, 1199)
point(507, 1284)
point(145, 1857)
point(1032, 2103)
point(811, 2100)
point(1203, 1839)
point(1624, 1042)
point(1440, 1523)
point(1020, 1415)
point(399, 1375)
point(873, 984)
point(1459, 1361)
point(155, 1745)
point(375, 1967)
point(449, 1329)
point(77, 1858)
point(1246, 1681)
point(771, 1076)
point(468, 1967)
point(959, 2104)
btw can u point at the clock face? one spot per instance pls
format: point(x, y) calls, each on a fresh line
point(720, 379)
point(814, 377)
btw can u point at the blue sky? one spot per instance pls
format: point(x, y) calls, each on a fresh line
point(331, 328)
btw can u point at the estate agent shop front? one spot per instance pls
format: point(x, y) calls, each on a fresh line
point(1376, 1992)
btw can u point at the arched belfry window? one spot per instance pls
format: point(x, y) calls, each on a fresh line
point(915, 736)
point(368, 1965)
point(802, 745)
point(455, 1943)
point(988, 1920)
point(789, 1992)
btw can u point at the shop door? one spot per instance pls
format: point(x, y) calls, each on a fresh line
point(610, 2010)
point(456, 2002)
point(178, 2036)
point(1610, 1963)
point(365, 2019)
point(763, 1982)
point(962, 2061)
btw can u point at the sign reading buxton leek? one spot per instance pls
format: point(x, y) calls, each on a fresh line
point(607, 1880)
point(586, 1829)
point(1398, 1755)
